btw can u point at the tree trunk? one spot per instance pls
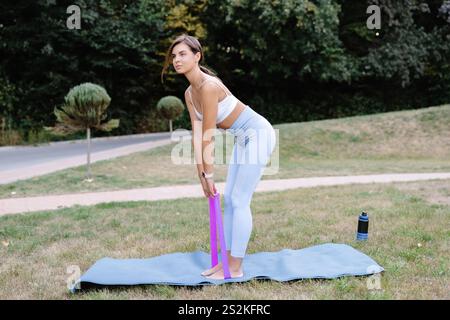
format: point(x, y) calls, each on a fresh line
point(170, 125)
point(88, 153)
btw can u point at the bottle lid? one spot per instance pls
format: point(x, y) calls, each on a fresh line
point(363, 216)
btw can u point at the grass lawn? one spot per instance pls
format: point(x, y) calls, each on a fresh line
point(395, 142)
point(408, 235)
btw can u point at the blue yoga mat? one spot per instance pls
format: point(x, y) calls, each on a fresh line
point(326, 261)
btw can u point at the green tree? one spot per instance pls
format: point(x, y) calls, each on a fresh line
point(170, 108)
point(84, 109)
point(279, 39)
point(116, 46)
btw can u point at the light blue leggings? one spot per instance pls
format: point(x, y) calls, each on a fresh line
point(254, 144)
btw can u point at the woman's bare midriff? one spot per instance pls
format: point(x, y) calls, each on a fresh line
point(229, 120)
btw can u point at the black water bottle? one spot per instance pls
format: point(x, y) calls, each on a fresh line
point(363, 227)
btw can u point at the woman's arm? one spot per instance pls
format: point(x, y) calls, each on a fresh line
point(196, 134)
point(209, 99)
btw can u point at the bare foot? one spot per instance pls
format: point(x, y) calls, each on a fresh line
point(214, 269)
point(220, 276)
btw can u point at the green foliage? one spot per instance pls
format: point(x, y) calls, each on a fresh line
point(291, 60)
point(170, 107)
point(185, 17)
point(279, 39)
point(10, 137)
point(151, 122)
point(117, 47)
point(85, 107)
point(407, 47)
point(7, 96)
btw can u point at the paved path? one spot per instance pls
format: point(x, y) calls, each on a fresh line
point(23, 162)
point(19, 205)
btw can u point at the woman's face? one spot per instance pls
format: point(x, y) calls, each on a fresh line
point(183, 59)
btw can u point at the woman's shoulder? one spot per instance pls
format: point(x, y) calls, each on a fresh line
point(208, 86)
point(211, 80)
point(211, 85)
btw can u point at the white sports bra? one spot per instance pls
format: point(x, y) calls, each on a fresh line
point(225, 107)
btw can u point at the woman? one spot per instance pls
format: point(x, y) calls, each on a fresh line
point(212, 105)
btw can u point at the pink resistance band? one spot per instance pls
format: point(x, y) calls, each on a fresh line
point(215, 220)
